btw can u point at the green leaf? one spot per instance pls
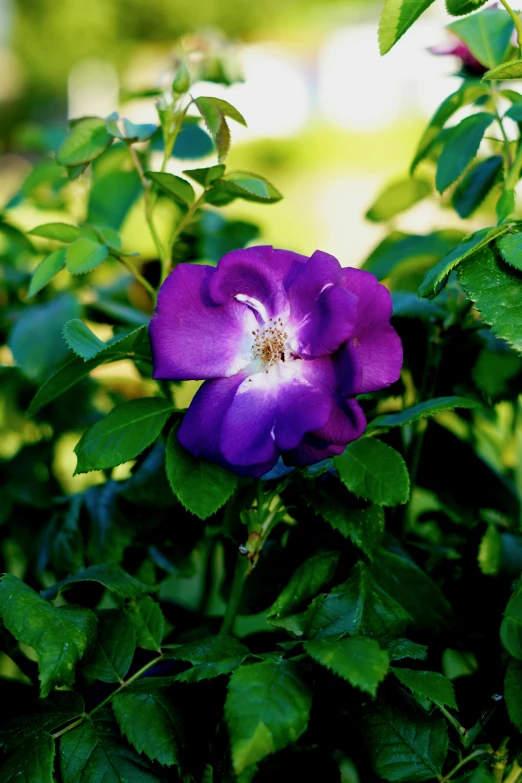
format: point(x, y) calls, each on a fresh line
point(149, 623)
point(404, 742)
point(397, 198)
point(267, 708)
point(214, 111)
point(509, 70)
point(61, 232)
point(475, 186)
point(150, 721)
point(490, 551)
point(486, 34)
point(397, 17)
point(428, 685)
point(46, 270)
point(115, 645)
point(110, 575)
point(363, 526)
point(177, 188)
point(81, 340)
point(399, 247)
point(210, 657)
point(422, 410)
point(205, 176)
point(359, 606)
point(505, 205)
point(201, 486)
point(85, 255)
point(513, 692)
point(123, 434)
point(460, 148)
point(468, 93)
point(398, 649)
point(126, 130)
point(495, 288)
point(510, 247)
point(374, 471)
point(471, 244)
point(304, 584)
point(86, 141)
point(249, 187)
point(60, 636)
point(511, 628)
point(358, 659)
point(95, 752)
point(32, 763)
point(412, 588)
point(462, 7)
point(36, 339)
point(515, 111)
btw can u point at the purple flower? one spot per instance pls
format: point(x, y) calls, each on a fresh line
point(284, 343)
point(458, 48)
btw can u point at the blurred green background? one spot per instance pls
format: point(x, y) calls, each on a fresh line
point(329, 120)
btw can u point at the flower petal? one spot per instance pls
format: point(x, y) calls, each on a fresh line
point(192, 337)
point(271, 412)
point(330, 323)
point(200, 431)
point(345, 424)
point(372, 358)
point(248, 276)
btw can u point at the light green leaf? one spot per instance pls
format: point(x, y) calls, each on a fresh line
point(201, 486)
point(60, 636)
point(468, 93)
point(421, 411)
point(249, 187)
point(397, 17)
point(397, 198)
point(513, 692)
point(510, 70)
point(490, 551)
point(505, 205)
point(358, 659)
point(510, 247)
point(149, 622)
point(110, 575)
point(358, 606)
point(304, 584)
point(210, 657)
point(428, 685)
point(46, 270)
point(486, 34)
point(460, 148)
point(374, 471)
point(471, 244)
point(81, 340)
point(61, 232)
point(150, 721)
point(114, 649)
point(214, 111)
point(475, 185)
point(85, 255)
point(123, 434)
point(496, 290)
point(511, 628)
point(363, 526)
point(404, 742)
point(267, 708)
point(86, 141)
point(126, 130)
point(95, 751)
point(177, 188)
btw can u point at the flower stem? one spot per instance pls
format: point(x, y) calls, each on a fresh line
point(506, 145)
point(514, 173)
point(134, 272)
point(474, 755)
point(517, 22)
point(514, 775)
point(236, 593)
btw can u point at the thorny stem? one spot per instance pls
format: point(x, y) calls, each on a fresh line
point(474, 755)
point(507, 150)
point(517, 22)
point(99, 706)
point(514, 174)
point(236, 593)
point(185, 220)
point(451, 718)
point(134, 272)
